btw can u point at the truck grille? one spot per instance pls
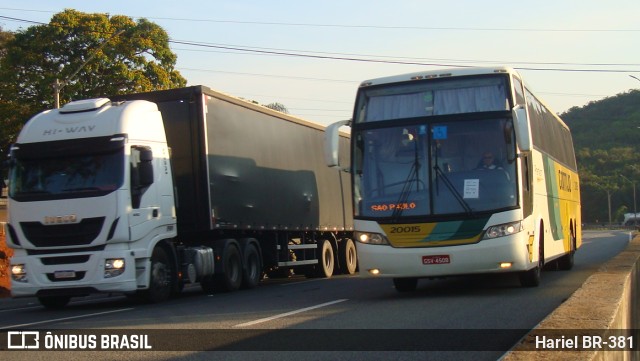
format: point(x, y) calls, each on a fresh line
point(52, 261)
point(61, 235)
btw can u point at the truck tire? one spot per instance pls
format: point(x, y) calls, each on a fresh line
point(348, 257)
point(326, 260)
point(252, 267)
point(161, 278)
point(54, 302)
point(231, 277)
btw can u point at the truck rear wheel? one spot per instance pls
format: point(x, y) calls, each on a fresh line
point(231, 277)
point(160, 283)
point(252, 267)
point(326, 259)
point(348, 257)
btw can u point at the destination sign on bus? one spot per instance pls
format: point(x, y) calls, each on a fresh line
point(382, 207)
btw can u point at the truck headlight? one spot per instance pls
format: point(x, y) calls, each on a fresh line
point(502, 230)
point(113, 267)
point(19, 273)
point(371, 238)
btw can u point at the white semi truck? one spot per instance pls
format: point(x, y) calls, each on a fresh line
point(143, 193)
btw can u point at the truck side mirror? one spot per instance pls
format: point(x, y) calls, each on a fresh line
point(332, 143)
point(523, 129)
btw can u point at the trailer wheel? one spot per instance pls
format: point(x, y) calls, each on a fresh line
point(54, 302)
point(326, 261)
point(348, 257)
point(160, 284)
point(231, 277)
point(252, 267)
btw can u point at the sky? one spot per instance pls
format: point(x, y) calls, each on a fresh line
point(570, 52)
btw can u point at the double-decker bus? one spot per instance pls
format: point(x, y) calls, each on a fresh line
point(457, 172)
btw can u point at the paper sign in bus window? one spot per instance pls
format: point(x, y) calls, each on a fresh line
point(471, 188)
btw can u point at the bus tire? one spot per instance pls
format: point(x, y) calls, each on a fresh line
point(348, 256)
point(531, 278)
point(326, 259)
point(566, 262)
point(405, 284)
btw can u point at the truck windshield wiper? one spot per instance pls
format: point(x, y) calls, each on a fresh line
point(452, 189)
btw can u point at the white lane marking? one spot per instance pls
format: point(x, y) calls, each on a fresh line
point(64, 319)
point(267, 319)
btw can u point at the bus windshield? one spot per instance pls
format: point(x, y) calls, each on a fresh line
point(435, 168)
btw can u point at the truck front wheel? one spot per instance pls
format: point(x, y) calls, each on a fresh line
point(160, 284)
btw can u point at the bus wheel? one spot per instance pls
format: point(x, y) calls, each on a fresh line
point(348, 257)
point(252, 268)
point(405, 284)
point(54, 302)
point(325, 259)
point(566, 262)
point(160, 284)
point(531, 278)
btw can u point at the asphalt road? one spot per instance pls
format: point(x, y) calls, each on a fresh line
point(342, 318)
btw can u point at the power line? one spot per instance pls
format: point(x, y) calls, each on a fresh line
point(372, 60)
point(366, 26)
point(389, 60)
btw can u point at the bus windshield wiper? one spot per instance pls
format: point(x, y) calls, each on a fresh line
point(413, 176)
point(452, 189)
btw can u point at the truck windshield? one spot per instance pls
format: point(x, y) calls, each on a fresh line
point(435, 168)
point(65, 170)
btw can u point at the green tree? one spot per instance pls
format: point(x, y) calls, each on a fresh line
point(92, 55)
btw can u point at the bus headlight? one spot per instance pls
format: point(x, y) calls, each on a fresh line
point(19, 273)
point(371, 238)
point(502, 230)
point(113, 267)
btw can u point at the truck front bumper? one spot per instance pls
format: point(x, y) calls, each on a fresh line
point(73, 274)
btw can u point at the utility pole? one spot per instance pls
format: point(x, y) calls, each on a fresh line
point(58, 85)
point(635, 208)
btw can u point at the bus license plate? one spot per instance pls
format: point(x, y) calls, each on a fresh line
point(64, 274)
point(438, 259)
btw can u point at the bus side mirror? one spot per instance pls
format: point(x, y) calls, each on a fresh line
point(523, 129)
point(332, 143)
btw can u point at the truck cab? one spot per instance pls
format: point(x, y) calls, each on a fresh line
point(90, 192)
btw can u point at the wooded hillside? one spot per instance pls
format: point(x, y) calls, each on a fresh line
point(605, 136)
